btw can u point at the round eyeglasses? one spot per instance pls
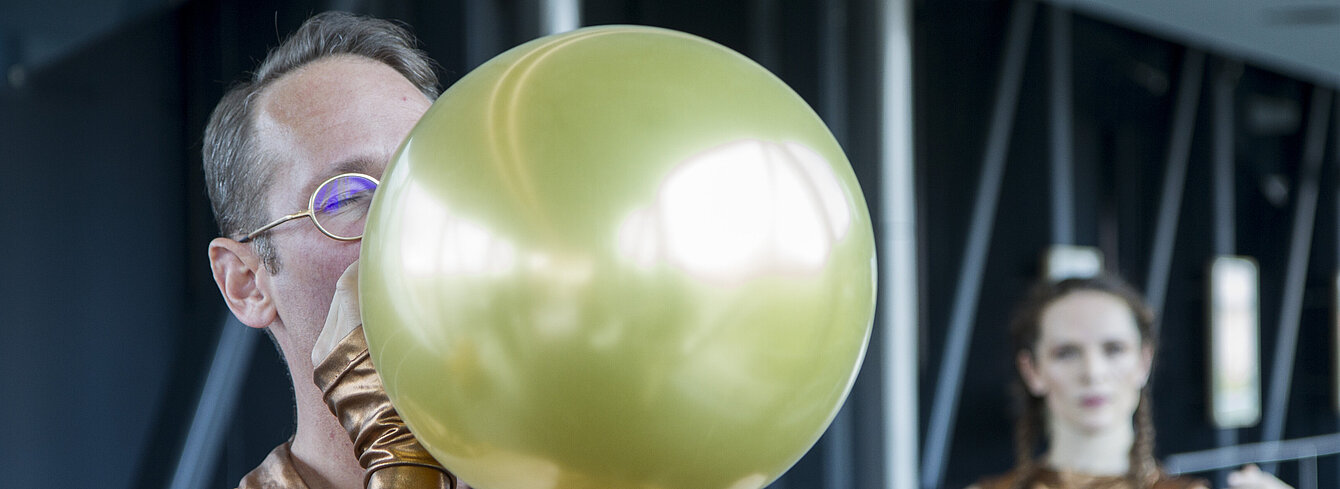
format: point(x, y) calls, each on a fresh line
point(338, 207)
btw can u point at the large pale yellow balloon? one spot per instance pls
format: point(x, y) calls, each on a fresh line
point(618, 258)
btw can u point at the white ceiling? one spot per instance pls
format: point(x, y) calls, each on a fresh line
point(1297, 38)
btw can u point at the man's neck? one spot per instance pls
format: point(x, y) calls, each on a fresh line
point(321, 448)
point(1105, 452)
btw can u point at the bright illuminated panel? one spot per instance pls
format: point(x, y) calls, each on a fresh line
point(1235, 372)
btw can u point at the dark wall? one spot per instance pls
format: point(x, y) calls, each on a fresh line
point(96, 292)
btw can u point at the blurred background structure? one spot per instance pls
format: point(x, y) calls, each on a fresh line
point(1148, 137)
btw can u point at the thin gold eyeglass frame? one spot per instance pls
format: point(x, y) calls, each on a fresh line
point(311, 212)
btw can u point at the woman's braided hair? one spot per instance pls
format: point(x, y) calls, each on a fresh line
point(1029, 428)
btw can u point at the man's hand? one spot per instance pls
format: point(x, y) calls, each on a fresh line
point(345, 315)
point(390, 455)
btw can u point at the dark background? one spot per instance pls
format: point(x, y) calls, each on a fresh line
point(110, 317)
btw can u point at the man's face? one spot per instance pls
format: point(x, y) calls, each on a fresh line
point(332, 116)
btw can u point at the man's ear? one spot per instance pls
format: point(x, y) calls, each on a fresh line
point(1029, 372)
point(238, 273)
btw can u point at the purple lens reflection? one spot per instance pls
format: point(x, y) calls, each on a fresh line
point(337, 193)
point(341, 205)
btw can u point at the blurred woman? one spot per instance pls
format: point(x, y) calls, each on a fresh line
point(1084, 349)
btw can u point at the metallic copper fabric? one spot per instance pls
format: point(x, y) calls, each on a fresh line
point(390, 455)
point(275, 472)
point(388, 452)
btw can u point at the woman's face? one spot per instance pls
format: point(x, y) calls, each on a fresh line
point(1089, 362)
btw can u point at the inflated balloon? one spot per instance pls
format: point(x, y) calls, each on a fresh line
point(620, 257)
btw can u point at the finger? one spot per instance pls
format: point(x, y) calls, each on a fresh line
point(343, 317)
point(329, 336)
point(349, 279)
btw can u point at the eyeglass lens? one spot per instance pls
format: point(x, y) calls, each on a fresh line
point(341, 205)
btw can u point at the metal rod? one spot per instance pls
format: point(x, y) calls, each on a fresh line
point(973, 264)
point(1335, 275)
point(1225, 215)
point(898, 299)
point(837, 466)
point(832, 72)
point(1300, 249)
point(833, 68)
point(1307, 473)
point(1252, 453)
point(214, 410)
point(559, 16)
point(483, 36)
point(1224, 438)
point(1174, 178)
point(1225, 232)
point(763, 33)
point(1062, 135)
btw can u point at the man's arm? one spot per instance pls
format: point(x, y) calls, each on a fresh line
point(390, 455)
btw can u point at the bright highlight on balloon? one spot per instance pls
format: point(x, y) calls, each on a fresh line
point(741, 209)
point(444, 243)
point(620, 257)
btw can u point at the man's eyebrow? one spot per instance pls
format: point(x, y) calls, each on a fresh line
point(362, 165)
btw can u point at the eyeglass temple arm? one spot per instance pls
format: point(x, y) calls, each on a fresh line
point(252, 235)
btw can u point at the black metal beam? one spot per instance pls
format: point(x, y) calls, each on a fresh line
point(973, 265)
point(1253, 453)
point(1295, 278)
point(1174, 179)
point(1224, 84)
point(832, 75)
point(1061, 104)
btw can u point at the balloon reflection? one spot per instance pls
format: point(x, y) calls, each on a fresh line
point(442, 242)
point(739, 210)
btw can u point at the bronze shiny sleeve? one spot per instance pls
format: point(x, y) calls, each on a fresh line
point(390, 455)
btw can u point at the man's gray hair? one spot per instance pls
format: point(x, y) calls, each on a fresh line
point(236, 173)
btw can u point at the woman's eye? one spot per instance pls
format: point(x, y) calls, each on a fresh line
point(1114, 348)
point(1065, 352)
